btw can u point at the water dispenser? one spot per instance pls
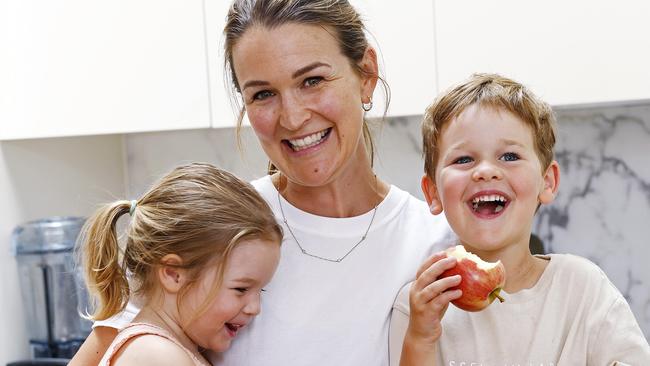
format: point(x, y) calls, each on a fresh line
point(52, 286)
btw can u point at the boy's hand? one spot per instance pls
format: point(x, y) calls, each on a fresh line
point(429, 298)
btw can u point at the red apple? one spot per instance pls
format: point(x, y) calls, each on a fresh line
point(480, 282)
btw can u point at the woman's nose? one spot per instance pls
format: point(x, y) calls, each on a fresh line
point(294, 112)
point(486, 171)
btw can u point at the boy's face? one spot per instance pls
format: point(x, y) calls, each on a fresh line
point(489, 179)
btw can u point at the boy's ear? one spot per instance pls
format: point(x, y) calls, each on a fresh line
point(551, 183)
point(171, 276)
point(430, 191)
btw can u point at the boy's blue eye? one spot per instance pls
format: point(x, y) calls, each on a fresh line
point(463, 160)
point(510, 156)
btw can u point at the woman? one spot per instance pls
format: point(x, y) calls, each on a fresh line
point(306, 74)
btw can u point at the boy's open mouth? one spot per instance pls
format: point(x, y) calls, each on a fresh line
point(488, 204)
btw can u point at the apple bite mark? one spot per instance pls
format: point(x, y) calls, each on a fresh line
point(481, 281)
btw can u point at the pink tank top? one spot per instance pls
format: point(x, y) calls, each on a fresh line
point(137, 329)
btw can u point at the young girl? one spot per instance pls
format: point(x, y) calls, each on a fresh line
point(200, 246)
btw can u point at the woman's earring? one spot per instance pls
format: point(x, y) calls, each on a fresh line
point(367, 106)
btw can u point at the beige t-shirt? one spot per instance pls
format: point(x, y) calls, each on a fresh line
point(573, 316)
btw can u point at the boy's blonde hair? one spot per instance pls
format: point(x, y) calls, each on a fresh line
point(197, 212)
point(494, 91)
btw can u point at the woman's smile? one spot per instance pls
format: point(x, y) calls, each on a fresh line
point(308, 142)
point(303, 99)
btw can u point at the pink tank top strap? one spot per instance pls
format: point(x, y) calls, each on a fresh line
point(137, 329)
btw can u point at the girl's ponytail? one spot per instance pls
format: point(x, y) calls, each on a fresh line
point(101, 255)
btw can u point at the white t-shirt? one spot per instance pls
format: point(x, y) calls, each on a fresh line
point(572, 316)
point(316, 312)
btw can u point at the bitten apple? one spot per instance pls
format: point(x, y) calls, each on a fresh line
point(480, 282)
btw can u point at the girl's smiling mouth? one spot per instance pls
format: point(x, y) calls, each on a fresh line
point(232, 329)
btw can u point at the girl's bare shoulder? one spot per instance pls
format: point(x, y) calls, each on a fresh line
point(149, 349)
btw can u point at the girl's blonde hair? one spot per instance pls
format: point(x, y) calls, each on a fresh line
point(197, 212)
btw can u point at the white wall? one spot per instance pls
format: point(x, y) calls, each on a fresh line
point(41, 178)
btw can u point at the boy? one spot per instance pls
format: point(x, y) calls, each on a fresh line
point(488, 149)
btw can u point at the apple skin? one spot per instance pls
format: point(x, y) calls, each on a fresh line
point(480, 286)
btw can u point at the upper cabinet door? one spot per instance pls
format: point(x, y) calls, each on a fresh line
point(403, 33)
point(403, 36)
point(224, 112)
point(79, 67)
point(568, 52)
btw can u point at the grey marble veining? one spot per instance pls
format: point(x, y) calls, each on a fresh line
point(150, 155)
point(602, 211)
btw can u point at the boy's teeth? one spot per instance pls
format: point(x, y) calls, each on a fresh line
point(489, 198)
point(308, 141)
point(500, 201)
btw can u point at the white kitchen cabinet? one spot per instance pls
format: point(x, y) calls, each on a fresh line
point(80, 67)
point(403, 32)
point(404, 38)
point(224, 114)
point(568, 52)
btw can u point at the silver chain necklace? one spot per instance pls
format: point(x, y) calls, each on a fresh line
point(284, 219)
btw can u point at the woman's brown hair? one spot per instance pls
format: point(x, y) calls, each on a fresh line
point(197, 212)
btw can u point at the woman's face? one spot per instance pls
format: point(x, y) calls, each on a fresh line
point(303, 99)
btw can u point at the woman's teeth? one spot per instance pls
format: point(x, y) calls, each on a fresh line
point(308, 141)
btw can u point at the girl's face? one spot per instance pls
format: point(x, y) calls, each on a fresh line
point(249, 268)
point(303, 99)
point(489, 179)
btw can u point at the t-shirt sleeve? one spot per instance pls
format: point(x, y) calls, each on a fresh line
point(399, 321)
point(119, 320)
point(619, 339)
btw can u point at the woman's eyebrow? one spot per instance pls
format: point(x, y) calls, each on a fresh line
point(254, 83)
point(308, 68)
point(298, 73)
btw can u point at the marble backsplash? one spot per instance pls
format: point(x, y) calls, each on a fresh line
point(602, 211)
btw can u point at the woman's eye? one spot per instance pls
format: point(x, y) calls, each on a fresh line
point(313, 81)
point(463, 160)
point(261, 95)
point(509, 156)
point(241, 289)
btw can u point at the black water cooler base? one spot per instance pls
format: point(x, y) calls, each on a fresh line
point(41, 362)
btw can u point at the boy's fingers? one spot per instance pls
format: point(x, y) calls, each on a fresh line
point(429, 275)
point(438, 288)
point(430, 261)
point(440, 303)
